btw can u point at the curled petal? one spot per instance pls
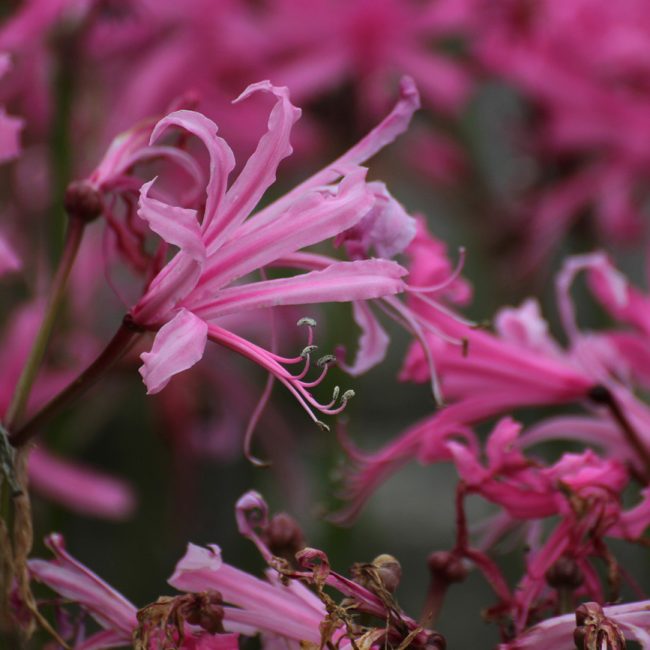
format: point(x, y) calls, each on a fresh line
point(251, 512)
point(222, 159)
point(373, 342)
point(177, 226)
point(197, 558)
point(387, 229)
point(259, 171)
point(178, 345)
point(315, 561)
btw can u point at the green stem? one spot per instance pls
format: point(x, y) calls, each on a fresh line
point(23, 388)
point(119, 345)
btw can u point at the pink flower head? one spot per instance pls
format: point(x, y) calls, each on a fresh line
point(282, 606)
point(119, 618)
point(185, 301)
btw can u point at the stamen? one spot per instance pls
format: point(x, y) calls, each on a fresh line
point(326, 360)
point(453, 276)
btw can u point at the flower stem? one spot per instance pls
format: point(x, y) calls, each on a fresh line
point(73, 238)
point(125, 337)
point(602, 395)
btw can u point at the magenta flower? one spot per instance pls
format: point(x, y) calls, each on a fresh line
point(185, 301)
point(118, 617)
point(289, 610)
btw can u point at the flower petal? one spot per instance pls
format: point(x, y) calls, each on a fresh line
point(222, 160)
point(259, 171)
point(72, 580)
point(373, 342)
point(177, 226)
point(311, 219)
point(178, 345)
point(341, 282)
point(80, 488)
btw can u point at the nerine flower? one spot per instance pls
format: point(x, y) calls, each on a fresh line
point(221, 245)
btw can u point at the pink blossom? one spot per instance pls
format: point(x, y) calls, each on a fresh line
point(115, 614)
point(194, 290)
point(557, 632)
point(580, 67)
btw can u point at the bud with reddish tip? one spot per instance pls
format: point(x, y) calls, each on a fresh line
point(83, 201)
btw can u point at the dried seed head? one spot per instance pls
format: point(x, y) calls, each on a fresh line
point(389, 570)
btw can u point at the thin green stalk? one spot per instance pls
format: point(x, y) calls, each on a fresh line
point(120, 344)
point(23, 388)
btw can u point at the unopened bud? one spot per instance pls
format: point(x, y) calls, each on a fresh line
point(83, 201)
point(447, 567)
point(565, 573)
point(284, 536)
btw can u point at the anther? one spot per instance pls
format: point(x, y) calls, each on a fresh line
point(326, 360)
point(307, 350)
point(349, 394)
point(309, 322)
point(322, 426)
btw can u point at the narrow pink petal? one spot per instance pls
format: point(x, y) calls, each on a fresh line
point(373, 342)
point(80, 488)
point(222, 160)
point(177, 226)
point(311, 219)
point(259, 171)
point(72, 580)
point(393, 125)
point(174, 283)
point(341, 282)
point(178, 345)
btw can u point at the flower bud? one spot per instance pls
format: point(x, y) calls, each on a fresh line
point(284, 536)
point(447, 567)
point(83, 201)
point(565, 574)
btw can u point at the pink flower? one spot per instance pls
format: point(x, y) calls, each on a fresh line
point(115, 614)
point(631, 619)
point(185, 301)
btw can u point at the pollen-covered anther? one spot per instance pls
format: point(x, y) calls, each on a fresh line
point(307, 350)
point(309, 322)
point(326, 360)
point(347, 395)
point(335, 393)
